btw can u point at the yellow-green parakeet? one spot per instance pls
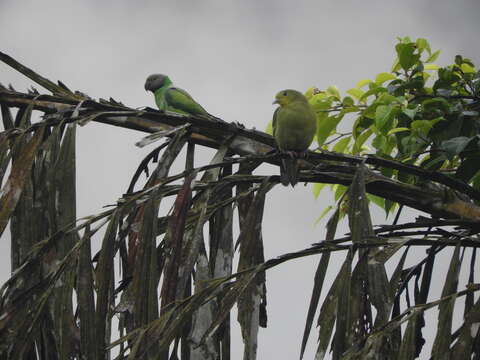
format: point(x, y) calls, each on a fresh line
point(168, 97)
point(294, 126)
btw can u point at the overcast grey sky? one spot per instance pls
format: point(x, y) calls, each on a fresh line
point(232, 56)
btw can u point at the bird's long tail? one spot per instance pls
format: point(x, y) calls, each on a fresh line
point(289, 171)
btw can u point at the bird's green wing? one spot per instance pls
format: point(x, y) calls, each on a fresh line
point(287, 166)
point(274, 121)
point(179, 100)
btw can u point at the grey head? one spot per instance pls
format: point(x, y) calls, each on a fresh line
point(156, 81)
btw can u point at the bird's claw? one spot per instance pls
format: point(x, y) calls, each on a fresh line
point(292, 154)
point(238, 124)
point(303, 154)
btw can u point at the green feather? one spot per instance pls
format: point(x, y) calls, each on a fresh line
point(294, 125)
point(168, 97)
point(179, 100)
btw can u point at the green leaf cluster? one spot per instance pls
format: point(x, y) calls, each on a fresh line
point(418, 113)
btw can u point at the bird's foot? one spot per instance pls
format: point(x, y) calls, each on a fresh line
point(292, 154)
point(303, 154)
point(237, 124)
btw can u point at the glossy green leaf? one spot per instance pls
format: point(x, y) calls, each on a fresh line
point(425, 76)
point(317, 188)
point(380, 142)
point(342, 144)
point(396, 66)
point(333, 91)
point(433, 57)
point(422, 44)
point(356, 93)
point(361, 123)
point(437, 103)
point(386, 99)
point(339, 191)
point(454, 146)
point(348, 101)
point(390, 206)
point(362, 83)
point(377, 200)
point(467, 69)
point(325, 126)
point(397, 130)
point(383, 115)
point(320, 102)
point(410, 113)
point(411, 144)
point(382, 77)
point(371, 92)
point(422, 126)
point(360, 140)
point(406, 55)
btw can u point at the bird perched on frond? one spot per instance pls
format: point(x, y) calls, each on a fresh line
point(294, 126)
point(168, 97)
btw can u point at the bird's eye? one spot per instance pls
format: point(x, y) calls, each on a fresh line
point(284, 93)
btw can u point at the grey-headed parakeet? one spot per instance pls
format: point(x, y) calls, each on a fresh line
point(168, 97)
point(294, 126)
